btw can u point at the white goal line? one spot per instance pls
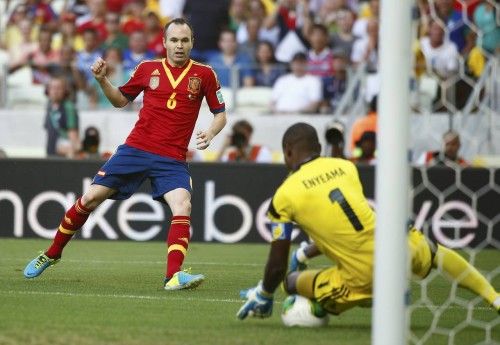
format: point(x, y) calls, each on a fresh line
point(139, 297)
point(179, 298)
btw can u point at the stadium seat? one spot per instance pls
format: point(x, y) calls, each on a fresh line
point(255, 97)
point(22, 92)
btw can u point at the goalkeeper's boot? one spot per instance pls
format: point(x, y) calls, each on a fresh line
point(183, 280)
point(38, 265)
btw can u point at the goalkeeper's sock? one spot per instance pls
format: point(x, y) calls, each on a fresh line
point(464, 274)
point(73, 220)
point(177, 243)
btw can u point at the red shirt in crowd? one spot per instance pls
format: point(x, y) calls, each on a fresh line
point(172, 101)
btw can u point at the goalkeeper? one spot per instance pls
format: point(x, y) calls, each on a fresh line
point(325, 198)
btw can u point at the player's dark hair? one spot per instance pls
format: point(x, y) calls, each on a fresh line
point(178, 21)
point(303, 137)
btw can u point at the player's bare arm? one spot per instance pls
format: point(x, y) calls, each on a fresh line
point(204, 138)
point(114, 95)
point(276, 266)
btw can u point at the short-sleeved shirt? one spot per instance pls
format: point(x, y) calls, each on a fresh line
point(325, 198)
point(292, 93)
point(172, 101)
point(443, 59)
point(320, 64)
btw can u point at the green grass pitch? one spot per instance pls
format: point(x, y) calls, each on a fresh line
point(110, 292)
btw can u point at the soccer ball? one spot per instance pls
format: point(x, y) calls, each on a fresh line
point(302, 312)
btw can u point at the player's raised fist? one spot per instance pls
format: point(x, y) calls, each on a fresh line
point(98, 68)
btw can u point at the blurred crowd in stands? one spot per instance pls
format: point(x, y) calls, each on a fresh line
point(304, 51)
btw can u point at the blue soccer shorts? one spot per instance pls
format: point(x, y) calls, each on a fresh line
point(127, 169)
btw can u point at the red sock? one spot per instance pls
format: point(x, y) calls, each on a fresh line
point(73, 220)
point(177, 242)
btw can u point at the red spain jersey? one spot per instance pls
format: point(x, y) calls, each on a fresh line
point(172, 101)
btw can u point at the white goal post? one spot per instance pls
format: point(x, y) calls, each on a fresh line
point(389, 326)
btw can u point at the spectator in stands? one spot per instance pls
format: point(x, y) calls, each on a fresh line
point(89, 54)
point(41, 13)
point(441, 60)
point(94, 20)
point(90, 145)
point(228, 59)
point(366, 123)
point(329, 12)
point(67, 34)
point(289, 16)
point(258, 10)
point(366, 147)
point(319, 57)
point(297, 92)
point(136, 52)
point(238, 148)
point(448, 155)
point(455, 25)
point(335, 85)
point(20, 51)
point(43, 58)
point(367, 13)
point(365, 49)
point(207, 18)
point(441, 56)
point(154, 35)
point(19, 30)
point(267, 69)
point(485, 18)
point(134, 19)
point(78, 7)
point(334, 136)
point(67, 69)
point(61, 121)
point(248, 45)
point(114, 73)
point(344, 38)
point(115, 38)
point(238, 14)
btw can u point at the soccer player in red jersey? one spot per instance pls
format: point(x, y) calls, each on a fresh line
point(156, 148)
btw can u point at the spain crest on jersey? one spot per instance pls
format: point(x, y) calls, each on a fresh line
point(194, 85)
point(154, 82)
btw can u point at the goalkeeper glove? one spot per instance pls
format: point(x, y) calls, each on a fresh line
point(298, 259)
point(259, 303)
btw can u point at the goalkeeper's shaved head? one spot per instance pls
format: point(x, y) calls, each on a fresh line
point(300, 142)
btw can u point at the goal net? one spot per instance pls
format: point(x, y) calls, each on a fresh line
point(456, 206)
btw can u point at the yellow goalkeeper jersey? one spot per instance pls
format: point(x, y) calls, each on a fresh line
point(325, 198)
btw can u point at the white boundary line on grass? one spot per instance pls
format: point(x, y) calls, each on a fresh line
point(177, 298)
point(140, 297)
point(146, 262)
